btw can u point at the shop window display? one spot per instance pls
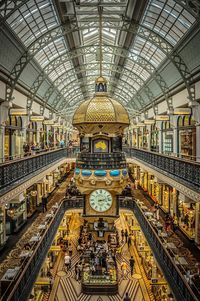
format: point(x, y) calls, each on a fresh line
point(167, 137)
point(187, 137)
point(186, 217)
point(13, 143)
point(154, 138)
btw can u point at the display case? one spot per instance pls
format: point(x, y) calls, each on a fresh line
point(104, 284)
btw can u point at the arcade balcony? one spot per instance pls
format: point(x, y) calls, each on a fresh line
point(101, 161)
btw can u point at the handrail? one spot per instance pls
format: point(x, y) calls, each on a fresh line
point(13, 171)
point(176, 280)
point(186, 171)
point(129, 150)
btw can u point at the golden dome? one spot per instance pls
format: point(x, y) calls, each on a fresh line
point(101, 109)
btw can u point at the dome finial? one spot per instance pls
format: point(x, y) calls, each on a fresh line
point(100, 84)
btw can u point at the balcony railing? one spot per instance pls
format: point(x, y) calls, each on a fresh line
point(101, 160)
point(185, 171)
point(179, 286)
point(15, 170)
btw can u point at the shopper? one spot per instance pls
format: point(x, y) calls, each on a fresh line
point(126, 235)
point(122, 235)
point(67, 261)
point(127, 298)
point(157, 213)
point(129, 241)
point(132, 263)
point(124, 268)
point(44, 203)
point(70, 249)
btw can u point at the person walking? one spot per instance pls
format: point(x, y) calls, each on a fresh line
point(132, 263)
point(124, 268)
point(127, 298)
point(126, 235)
point(122, 235)
point(44, 203)
point(67, 261)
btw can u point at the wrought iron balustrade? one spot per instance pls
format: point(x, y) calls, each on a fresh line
point(15, 170)
point(179, 286)
point(187, 172)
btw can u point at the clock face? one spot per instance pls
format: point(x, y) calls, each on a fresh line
point(100, 200)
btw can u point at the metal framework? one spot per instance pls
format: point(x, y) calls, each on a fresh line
point(85, 22)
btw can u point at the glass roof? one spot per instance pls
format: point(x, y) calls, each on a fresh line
point(71, 60)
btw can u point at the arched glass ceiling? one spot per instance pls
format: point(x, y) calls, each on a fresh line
point(132, 41)
point(168, 18)
point(32, 19)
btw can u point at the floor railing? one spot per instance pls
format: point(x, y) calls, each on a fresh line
point(15, 170)
point(183, 170)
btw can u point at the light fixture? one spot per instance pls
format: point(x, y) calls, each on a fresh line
point(11, 212)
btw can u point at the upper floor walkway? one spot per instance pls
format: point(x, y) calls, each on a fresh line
point(183, 171)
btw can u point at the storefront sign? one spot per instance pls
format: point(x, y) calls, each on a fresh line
point(18, 112)
point(36, 118)
point(161, 117)
point(48, 122)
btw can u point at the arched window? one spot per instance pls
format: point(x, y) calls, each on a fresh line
point(180, 121)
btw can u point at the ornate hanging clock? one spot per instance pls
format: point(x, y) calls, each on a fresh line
point(100, 200)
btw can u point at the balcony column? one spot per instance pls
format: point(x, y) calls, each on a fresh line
point(174, 119)
point(160, 144)
point(39, 126)
point(4, 107)
point(197, 224)
point(25, 122)
point(149, 137)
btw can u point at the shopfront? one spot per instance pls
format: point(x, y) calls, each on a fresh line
point(186, 214)
point(31, 133)
point(16, 214)
point(187, 137)
point(154, 138)
point(167, 137)
point(13, 139)
point(31, 199)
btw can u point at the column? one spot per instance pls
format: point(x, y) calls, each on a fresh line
point(4, 107)
point(160, 142)
point(175, 135)
point(149, 137)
